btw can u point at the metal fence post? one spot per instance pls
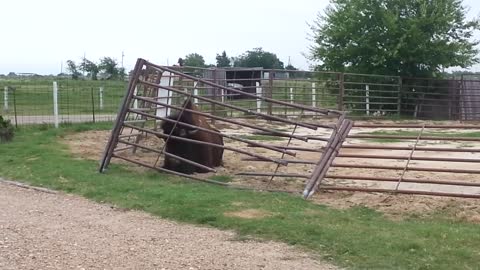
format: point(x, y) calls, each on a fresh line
point(258, 90)
point(314, 95)
point(15, 106)
point(399, 105)
point(101, 98)
point(341, 90)
point(93, 104)
point(55, 104)
point(271, 74)
point(5, 98)
point(367, 99)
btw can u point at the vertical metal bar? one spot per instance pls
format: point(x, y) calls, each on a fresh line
point(93, 104)
point(399, 102)
point(214, 107)
point(410, 158)
point(55, 103)
point(101, 97)
point(5, 98)
point(122, 113)
point(367, 99)
point(270, 91)
point(14, 92)
point(341, 91)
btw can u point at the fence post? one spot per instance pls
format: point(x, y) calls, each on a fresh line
point(367, 99)
point(135, 101)
point(5, 98)
point(314, 95)
point(259, 94)
point(101, 98)
point(93, 104)
point(341, 90)
point(399, 104)
point(291, 95)
point(55, 103)
point(271, 74)
point(195, 92)
point(14, 91)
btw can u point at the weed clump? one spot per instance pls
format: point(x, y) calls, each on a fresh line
point(6, 130)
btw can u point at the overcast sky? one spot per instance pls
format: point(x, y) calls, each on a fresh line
point(37, 36)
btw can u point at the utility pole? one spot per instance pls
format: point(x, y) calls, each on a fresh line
point(123, 55)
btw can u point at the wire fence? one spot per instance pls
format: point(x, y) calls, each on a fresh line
point(59, 100)
point(34, 101)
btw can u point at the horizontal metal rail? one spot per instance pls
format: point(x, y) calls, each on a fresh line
point(409, 148)
point(429, 138)
point(163, 68)
point(292, 175)
point(421, 169)
point(408, 180)
point(466, 160)
point(159, 134)
point(221, 118)
point(215, 132)
point(400, 191)
point(169, 155)
point(266, 116)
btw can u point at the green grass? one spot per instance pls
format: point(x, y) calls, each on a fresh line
point(357, 238)
point(35, 97)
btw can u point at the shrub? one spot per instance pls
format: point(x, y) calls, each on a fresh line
point(6, 130)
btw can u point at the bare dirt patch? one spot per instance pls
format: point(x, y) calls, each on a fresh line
point(249, 214)
point(90, 145)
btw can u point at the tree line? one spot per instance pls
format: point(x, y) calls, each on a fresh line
point(105, 68)
point(256, 57)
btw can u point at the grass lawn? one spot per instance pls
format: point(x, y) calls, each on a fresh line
point(356, 238)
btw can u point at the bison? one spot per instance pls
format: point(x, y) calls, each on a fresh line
point(207, 155)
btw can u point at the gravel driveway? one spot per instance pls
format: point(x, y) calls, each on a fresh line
point(40, 230)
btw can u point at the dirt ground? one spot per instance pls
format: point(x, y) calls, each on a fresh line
point(41, 230)
point(91, 144)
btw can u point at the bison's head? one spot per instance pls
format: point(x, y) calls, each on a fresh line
point(169, 127)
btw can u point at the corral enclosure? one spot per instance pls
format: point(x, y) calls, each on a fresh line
point(306, 150)
point(33, 100)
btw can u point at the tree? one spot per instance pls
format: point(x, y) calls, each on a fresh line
point(258, 58)
point(194, 60)
point(108, 65)
point(291, 67)
point(72, 69)
point(90, 67)
point(223, 60)
point(394, 37)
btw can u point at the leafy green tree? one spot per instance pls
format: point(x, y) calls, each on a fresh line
point(73, 69)
point(258, 58)
point(223, 60)
point(90, 67)
point(394, 37)
point(194, 60)
point(110, 67)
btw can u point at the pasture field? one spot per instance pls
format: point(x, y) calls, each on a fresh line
point(355, 237)
point(34, 97)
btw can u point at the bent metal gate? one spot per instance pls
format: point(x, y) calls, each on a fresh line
point(156, 92)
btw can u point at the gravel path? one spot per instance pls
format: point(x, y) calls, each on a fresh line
point(40, 230)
